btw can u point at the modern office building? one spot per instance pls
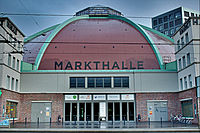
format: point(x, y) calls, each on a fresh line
point(187, 40)
point(93, 67)
point(168, 23)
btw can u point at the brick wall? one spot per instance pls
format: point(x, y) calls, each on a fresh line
point(9, 95)
point(57, 105)
point(141, 103)
point(191, 93)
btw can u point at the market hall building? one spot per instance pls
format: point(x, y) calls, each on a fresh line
point(98, 65)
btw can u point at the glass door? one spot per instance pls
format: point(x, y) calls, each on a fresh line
point(96, 111)
point(110, 111)
point(117, 111)
point(67, 111)
point(88, 111)
point(74, 112)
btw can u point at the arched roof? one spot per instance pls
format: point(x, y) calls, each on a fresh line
point(36, 52)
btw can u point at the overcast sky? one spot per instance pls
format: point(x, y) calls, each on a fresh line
point(136, 8)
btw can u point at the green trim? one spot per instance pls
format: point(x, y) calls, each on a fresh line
point(58, 28)
point(99, 71)
point(39, 33)
point(157, 32)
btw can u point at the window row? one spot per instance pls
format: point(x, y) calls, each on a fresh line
point(186, 82)
point(183, 41)
point(187, 14)
point(166, 30)
point(182, 61)
point(14, 42)
point(12, 84)
point(99, 82)
point(166, 18)
point(15, 62)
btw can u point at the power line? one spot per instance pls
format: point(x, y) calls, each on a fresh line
point(57, 15)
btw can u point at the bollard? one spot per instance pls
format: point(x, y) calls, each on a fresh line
point(136, 121)
point(38, 120)
point(87, 120)
point(161, 121)
point(185, 121)
point(149, 122)
point(13, 120)
point(25, 121)
point(62, 120)
point(112, 121)
point(124, 120)
point(50, 121)
point(75, 120)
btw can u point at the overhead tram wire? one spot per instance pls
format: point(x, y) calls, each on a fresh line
point(57, 15)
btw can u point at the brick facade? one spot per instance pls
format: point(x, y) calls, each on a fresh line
point(141, 103)
point(174, 103)
point(24, 103)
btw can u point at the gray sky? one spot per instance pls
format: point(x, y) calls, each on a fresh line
point(137, 8)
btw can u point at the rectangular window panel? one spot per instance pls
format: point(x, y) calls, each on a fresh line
point(107, 82)
point(179, 64)
point(160, 20)
point(185, 82)
point(9, 60)
point(171, 24)
point(18, 65)
point(11, 109)
point(72, 82)
point(181, 84)
point(187, 108)
point(182, 40)
point(178, 21)
point(186, 38)
point(165, 25)
point(80, 82)
point(117, 82)
point(155, 22)
point(188, 59)
point(91, 82)
point(16, 85)
point(177, 14)
point(165, 18)
point(8, 82)
point(171, 16)
point(186, 14)
point(184, 62)
point(99, 82)
point(125, 82)
point(190, 81)
point(13, 63)
point(178, 44)
point(12, 84)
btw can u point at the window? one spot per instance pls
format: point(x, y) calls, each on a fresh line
point(161, 27)
point(177, 14)
point(188, 59)
point(99, 82)
point(18, 47)
point(166, 32)
point(155, 22)
point(190, 81)
point(192, 14)
point(11, 109)
point(185, 82)
point(121, 82)
point(182, 41)
point(12, 84)
point(186, 38)
point(9, 59)
point(179, 64)
point(187, 108)
point(177, 28)
point(178, 21)
point(171, 31)
point(186, 14)
point(16, 85)
point(184, 62)
point(181, 84)
point(165, 18)
point(17, 64)
point(13, 63)
point(160, 20)
point(171, 16)
point(77, 82)
point(165, 25)
point(178, 44)
point(171, 24)
point(8, 82)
